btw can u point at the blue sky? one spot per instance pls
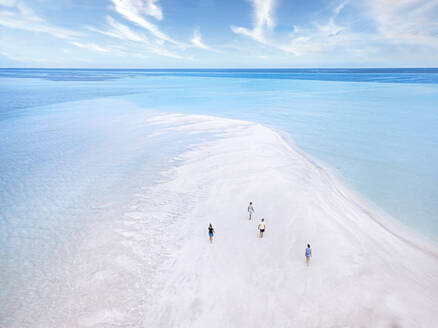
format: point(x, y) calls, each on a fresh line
point(218, 33)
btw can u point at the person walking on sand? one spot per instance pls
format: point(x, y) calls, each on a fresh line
point(211, 233)
point(308, 254)
point(251, 210)
point(262, 227)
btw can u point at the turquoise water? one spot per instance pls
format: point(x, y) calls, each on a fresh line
point(376, 127)
point(75, 149)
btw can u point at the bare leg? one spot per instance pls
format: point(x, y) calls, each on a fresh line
point(307, 260)
point(211, 240)
point(261, 234)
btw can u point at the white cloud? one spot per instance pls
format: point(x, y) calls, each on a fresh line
point(319, 39)
point(153, 9)
point(401, 26)
point(407, 21)
point(135, 10)
point(123, 50)
point(8, 3)
point(27, 60)
point(330, 29)
point(197, 41)
point(24, 59)
point(312, 39)
point(24, 18)
point(341, 6)
point(90, 46)
point(324, 38)
point(263, 12)
point(165, 52)
point(119, 31)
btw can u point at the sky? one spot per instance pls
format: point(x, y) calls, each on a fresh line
point(218, 33)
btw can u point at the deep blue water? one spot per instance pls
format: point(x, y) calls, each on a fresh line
point(384, 75)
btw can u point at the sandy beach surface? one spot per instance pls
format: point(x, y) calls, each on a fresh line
point(154, 266)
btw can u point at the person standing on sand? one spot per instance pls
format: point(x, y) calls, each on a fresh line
point(251, 210)
point(308, 254)
point(211, 233)
point(262, 227)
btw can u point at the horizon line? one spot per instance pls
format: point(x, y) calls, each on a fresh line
point(217, 68)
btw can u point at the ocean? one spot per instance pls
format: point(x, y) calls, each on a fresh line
point(377, 128)
point(77, 146)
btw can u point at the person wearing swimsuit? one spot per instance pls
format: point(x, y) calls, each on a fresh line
point(262, 227)
point(251, 210)
point(211, 233)
point(308, 254)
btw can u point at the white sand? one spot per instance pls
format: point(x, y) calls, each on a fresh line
point(154, 267)
point(361, 274)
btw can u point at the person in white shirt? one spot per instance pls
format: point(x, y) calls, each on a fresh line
point(262, 227)
point(251, 211)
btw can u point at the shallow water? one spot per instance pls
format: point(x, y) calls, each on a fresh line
point(66, 170)
point(380, 137)
point(70, 163)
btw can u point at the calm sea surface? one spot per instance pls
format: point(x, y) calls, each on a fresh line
point(378, 128)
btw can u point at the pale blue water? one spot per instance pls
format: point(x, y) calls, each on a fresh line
point(63, 157)
point(381, 137)
point(65, 170)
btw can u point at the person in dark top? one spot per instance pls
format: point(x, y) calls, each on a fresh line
point(211, 233)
